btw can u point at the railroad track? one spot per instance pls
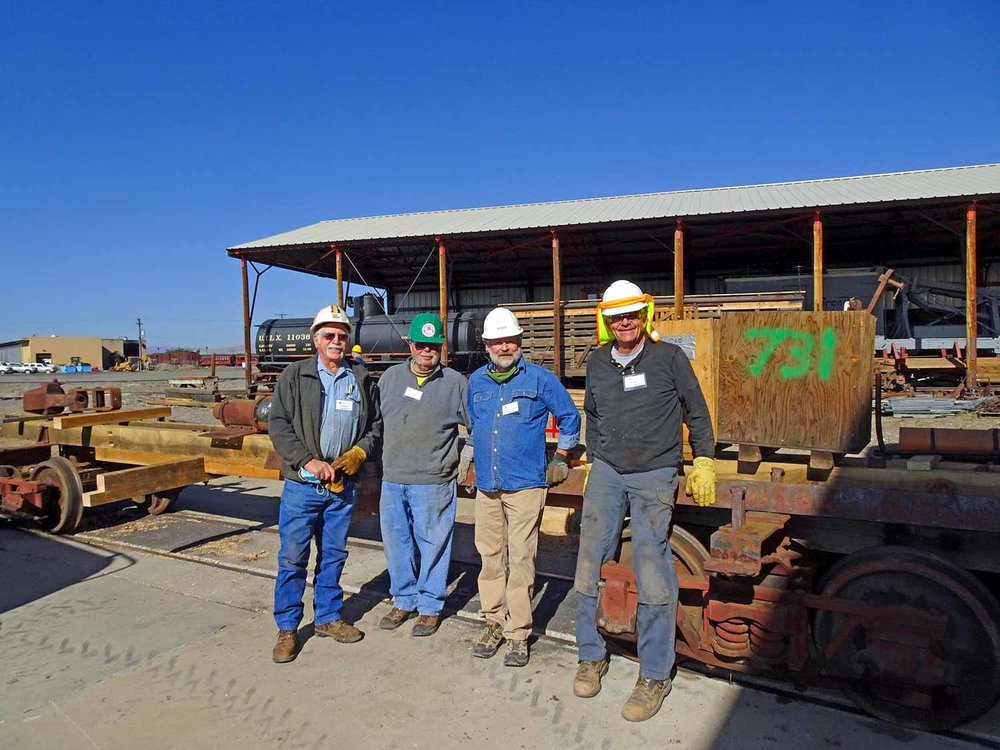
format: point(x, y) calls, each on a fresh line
point(227, 527)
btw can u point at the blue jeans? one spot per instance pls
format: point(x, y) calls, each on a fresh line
point(306, 514)
point(648, 497)
point(418, 519)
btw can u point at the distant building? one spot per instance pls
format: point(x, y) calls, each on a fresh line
point(62, 350)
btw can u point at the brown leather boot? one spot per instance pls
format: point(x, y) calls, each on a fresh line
point(646, 699)
point(426, 625)
point(340, 631)
point(588, 677)
point(287, 647)
point(395, 618)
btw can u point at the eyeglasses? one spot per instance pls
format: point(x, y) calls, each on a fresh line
point(634, 315)
point(421, 345)
point(334, 336)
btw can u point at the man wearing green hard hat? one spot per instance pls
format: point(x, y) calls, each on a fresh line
point(423, 404)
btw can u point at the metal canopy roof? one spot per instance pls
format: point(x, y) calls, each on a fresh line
point(868, 220)
point(953, 182)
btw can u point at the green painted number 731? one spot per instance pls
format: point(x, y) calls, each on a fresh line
point(801, 348)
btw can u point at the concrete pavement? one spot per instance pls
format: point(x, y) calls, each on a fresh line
point(105, 650)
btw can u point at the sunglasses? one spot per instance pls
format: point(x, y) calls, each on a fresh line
point(634, 315)
point(334, 336)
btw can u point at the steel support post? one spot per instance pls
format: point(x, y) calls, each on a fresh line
point(340, 280)
point(557, 353)
point(679, 270)
point(971, 328)
point(817, 261)
point(248, 360)
point(443, 295)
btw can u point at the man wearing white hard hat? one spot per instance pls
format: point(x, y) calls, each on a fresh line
point(324, 423)
point(509, 404)
point(639, 390)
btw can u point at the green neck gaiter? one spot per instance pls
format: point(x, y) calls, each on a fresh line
point(502, 377)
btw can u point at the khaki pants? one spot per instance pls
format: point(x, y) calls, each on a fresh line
point(507, 539)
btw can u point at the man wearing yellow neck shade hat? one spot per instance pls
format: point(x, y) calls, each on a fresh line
point(639, 390)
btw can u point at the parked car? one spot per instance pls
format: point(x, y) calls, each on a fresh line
point(43, 367)
point(5, 368)
point(18, 367)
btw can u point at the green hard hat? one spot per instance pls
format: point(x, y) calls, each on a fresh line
point(427, 328)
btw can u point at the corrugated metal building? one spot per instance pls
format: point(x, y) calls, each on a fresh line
point(912, 220)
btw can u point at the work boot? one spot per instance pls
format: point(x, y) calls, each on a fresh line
point(395, 618)
point(287, 647)
point(340, 631)
point(426, 625)
point(646, 699)
point(489, 640)
point(517, 654)
point(587, 683)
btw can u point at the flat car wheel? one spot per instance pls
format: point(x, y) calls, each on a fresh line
point(966, 660)
point(689, 558)
point(63, 494)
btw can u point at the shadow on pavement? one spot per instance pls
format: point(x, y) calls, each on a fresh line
point(42, 565)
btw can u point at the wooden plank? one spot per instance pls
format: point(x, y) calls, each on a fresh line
point(150, 443)
point(796, 379)
point(144, 480)
point(559, 520)
point(66, 421)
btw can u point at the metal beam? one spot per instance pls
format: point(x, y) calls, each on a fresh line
point(971, 327)
point(443, 295)
point(340, 279)
point(679, 270)
point(557, 356)
point(248, 360)
point(817, 261)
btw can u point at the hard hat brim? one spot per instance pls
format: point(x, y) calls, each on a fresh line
point(316, 326)
point(518, 332)
point(426, 339)
point(623, 308)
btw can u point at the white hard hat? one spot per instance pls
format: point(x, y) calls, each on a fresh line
point(621, 290)
point(501, 323)
point(330, 314)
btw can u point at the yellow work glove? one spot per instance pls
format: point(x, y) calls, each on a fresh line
point(335, 485)
point(350, 461)
point(701, 481)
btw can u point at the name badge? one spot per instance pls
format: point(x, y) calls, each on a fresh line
point(510, 408)
point(414, 394)
point(634, 382)
point(345, 404)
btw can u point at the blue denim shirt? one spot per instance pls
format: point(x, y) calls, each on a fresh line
point(508, 422)
point(339, 426)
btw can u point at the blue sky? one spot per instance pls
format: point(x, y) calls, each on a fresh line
point(139, 140)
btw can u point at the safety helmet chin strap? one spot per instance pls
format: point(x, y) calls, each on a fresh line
point(604, 334)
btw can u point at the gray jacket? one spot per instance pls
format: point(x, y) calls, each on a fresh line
point(296, 415)
point(421, 435)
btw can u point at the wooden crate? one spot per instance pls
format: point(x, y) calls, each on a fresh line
point(700, 337)
point(796, 379)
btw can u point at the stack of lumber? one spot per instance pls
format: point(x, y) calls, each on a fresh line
point(925, 406)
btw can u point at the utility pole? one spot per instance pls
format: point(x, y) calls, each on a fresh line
point(138, 322)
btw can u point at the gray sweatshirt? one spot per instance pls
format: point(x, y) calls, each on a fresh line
point(420, 424)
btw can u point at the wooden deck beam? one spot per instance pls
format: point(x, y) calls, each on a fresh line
point(145, 480)
point(120, 416)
